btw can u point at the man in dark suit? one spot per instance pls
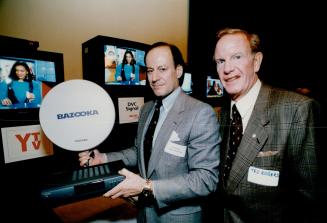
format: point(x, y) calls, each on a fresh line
point(183, 166)
point(273, 174)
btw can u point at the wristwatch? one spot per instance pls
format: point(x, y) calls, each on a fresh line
point(147, 190)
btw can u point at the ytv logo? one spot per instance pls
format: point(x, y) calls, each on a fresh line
point(25, 142)
point(32, 139)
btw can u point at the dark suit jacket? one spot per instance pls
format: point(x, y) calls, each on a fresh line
point(180, 180)
point(280, 136)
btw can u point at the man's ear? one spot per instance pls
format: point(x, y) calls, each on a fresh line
point(179, 70)
point(257, 61)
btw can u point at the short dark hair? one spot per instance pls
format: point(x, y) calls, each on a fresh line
point(177, 56)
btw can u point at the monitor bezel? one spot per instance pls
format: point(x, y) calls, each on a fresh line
point(93, 59)
point(28, 114)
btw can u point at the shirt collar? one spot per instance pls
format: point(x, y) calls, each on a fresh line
point(168, 101)
point(248, 100)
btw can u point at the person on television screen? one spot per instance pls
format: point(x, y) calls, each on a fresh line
point(128, 72)
point(214, 89)
point(269, 170)
point(179, 167)
point(20, 88)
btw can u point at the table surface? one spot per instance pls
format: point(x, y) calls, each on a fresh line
point(98, 208)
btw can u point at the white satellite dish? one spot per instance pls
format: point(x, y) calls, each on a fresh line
point(77, 115)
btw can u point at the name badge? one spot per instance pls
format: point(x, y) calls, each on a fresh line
point(175, 149)
point(263, 177)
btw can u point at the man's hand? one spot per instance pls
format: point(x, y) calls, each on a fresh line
point(131, 186)
point(91, 158)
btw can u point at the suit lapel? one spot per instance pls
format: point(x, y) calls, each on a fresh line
point(224, 120)
point(171, 122)
point(253, 140)
point(143, 122)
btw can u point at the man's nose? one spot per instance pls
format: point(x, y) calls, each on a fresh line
point(228, 67)
point(154, 76)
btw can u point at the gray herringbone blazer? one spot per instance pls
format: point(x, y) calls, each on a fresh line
point(280, 136)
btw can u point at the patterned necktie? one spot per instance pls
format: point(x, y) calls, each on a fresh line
point(235, 137)
point(148, 138)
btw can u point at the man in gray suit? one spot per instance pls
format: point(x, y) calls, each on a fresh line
point(183, 166)
point(273, 176)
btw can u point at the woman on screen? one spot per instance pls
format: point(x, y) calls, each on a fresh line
point(128, 71)
point(20, 89)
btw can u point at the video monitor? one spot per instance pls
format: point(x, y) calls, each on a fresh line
point(187, 83)
point(214, 88)
point(25, 78)
point(111, 62)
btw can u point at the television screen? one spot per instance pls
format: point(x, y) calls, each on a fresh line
point(187, 83)
point(26, 77)
point(124, 66)
point(214, 88)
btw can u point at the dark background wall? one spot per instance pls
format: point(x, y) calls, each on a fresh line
point(293, 41)
point(292, 38)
